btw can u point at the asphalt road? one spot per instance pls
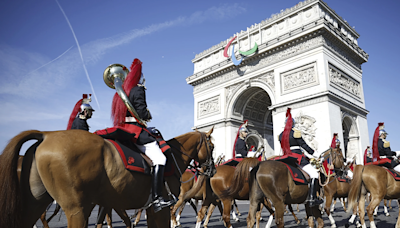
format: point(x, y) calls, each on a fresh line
point(188, 218)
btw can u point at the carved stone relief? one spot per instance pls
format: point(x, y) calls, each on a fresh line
point(299, 78)
point(346, 83)
point(231, 90)
point(268, 78)
point(306, 124)
point(209, 107)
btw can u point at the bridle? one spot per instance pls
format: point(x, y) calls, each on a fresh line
point(208, 164)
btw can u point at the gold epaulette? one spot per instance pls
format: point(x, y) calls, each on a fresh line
point(386, 144)
point(296, 133)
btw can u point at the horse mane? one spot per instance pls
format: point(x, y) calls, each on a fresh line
point(240, 176)
point(10, 193)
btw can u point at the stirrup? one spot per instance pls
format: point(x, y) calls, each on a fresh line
point(160, 203)
point(315, 202)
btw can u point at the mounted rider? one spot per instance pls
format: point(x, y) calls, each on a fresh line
point(81, 113)
point(291, 143)
point(381, 147)
point(240, 148)
point(367, 155)
point(134, 87)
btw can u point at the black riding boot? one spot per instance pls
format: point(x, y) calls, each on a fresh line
point(313, 200)
point(158, 182)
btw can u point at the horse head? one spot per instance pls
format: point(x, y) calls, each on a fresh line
point(204, 155)
point(337, 158)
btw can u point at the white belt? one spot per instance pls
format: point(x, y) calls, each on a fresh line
point(130, 119)
point(295, 148)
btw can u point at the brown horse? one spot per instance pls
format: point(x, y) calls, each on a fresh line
point(188, 181)
point(334, 188)
point(227, 184)
point(79, 170)
point(379, 183)
point(273, 180)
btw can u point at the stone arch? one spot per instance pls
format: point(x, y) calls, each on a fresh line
point(252, 103)
point(350, 135)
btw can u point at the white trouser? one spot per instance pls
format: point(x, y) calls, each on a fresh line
point(397, 168)
point(153, 151)
point(311, 171)
point(350, 174)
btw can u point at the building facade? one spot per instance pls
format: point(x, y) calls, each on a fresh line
point(306, 58)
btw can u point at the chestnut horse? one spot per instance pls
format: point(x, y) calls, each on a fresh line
point(379, 183)
point(79, 169)
point(227, 184)
point(334, 188)
point(273, 180)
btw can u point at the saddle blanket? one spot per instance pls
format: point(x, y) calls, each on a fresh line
point(133, 160)
point(395, 174)
point(297, 175)
point(385, 162)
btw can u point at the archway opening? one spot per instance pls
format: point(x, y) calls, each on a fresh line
point(252, 105)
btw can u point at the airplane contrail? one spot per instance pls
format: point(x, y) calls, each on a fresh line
point(51, 60)
point(80, 53)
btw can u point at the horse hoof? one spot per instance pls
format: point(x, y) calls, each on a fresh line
point(298, 222)
point(237, 220)
point(239, 214)
point(347, 225)
point(333, 225)
point(387, 214)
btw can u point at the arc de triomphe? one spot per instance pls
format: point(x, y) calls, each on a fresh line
point(306, 58)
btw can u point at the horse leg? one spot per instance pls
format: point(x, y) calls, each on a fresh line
point(318, 217)
point(398, 217)
point(174, 219)
point(178, 218)
point(43, 219)
point(295, 217)
point(138, 215)
point(267, 204)
point(209, 213)
point(279, 212)
point(254, 205)
point(361, 210)
point(237, 209)
point(333, 205)
point(109, 220)
point(124, 216)
point(327, 209)
point(103, 211)
point(201, 213)
point(161, 219)
point(227, 211)
point(233, 212)
point(385, 210)
point(370, 209)
point(56, 210)
point(297, 208)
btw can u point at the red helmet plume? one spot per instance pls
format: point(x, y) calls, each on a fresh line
point(286, 132)
point(333, 144)
point(375, 151)
point(118, 108)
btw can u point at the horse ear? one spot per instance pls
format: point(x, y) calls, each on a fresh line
point(196, 129)
point(210, 132)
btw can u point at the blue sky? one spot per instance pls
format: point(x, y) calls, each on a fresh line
point(43, 76)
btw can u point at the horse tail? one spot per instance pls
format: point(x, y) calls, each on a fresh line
point(10, 194)
point(240, 176)
point(195, 189)
point(355, 187)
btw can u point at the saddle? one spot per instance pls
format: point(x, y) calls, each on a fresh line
point(121, 137)
point(385, 162)
point(299, 176)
